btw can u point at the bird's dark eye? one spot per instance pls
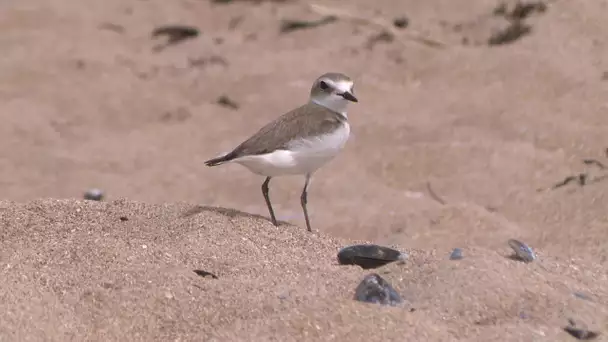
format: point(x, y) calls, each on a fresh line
point(323, 85)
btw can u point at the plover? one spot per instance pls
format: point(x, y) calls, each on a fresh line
point(300, 141)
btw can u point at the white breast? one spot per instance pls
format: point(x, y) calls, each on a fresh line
point(305, 155)
point(326, 144)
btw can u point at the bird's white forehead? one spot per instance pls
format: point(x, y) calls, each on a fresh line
point(343, 86)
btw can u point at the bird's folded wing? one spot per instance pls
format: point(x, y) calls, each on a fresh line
point(307, 120)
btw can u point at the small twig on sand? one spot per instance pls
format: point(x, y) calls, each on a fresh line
point(383, 24)
point(433, 194)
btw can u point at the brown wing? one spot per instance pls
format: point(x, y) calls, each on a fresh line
point(309, 119)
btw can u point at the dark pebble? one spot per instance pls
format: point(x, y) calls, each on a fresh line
point(227, 102)
point(374, 289)
point(522, 251)
point(93, 195)
point(401, 22)
point(456, 254)
point(369, 256)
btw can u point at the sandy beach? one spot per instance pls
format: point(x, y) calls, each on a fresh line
point(477, 122)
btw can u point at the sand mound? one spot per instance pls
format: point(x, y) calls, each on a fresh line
point(74, 270)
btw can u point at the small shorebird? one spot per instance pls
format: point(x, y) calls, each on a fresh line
point(300, 141)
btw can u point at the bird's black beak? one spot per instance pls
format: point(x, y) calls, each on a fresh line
point(350, 97)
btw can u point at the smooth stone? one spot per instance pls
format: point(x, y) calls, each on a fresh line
point(522, 251)
point(374, 289)
point(456, 254)
point(369, 256)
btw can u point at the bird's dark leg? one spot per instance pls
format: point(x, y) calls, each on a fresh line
point(304, 201)
point(267, 199)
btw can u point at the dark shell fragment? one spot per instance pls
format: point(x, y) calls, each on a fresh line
point(374, 289)
point(369, 256)
point(581, 334)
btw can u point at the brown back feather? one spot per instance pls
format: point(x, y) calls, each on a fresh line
point(309, 119)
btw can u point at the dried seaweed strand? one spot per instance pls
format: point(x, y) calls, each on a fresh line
point(433, 194)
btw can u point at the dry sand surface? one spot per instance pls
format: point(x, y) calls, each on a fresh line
point(457, 145)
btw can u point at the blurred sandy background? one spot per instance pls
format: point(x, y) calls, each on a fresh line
point(87, 99)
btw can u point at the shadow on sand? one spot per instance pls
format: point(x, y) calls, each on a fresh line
point(231, 213)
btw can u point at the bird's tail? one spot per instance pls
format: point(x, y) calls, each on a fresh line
point(221, 159)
